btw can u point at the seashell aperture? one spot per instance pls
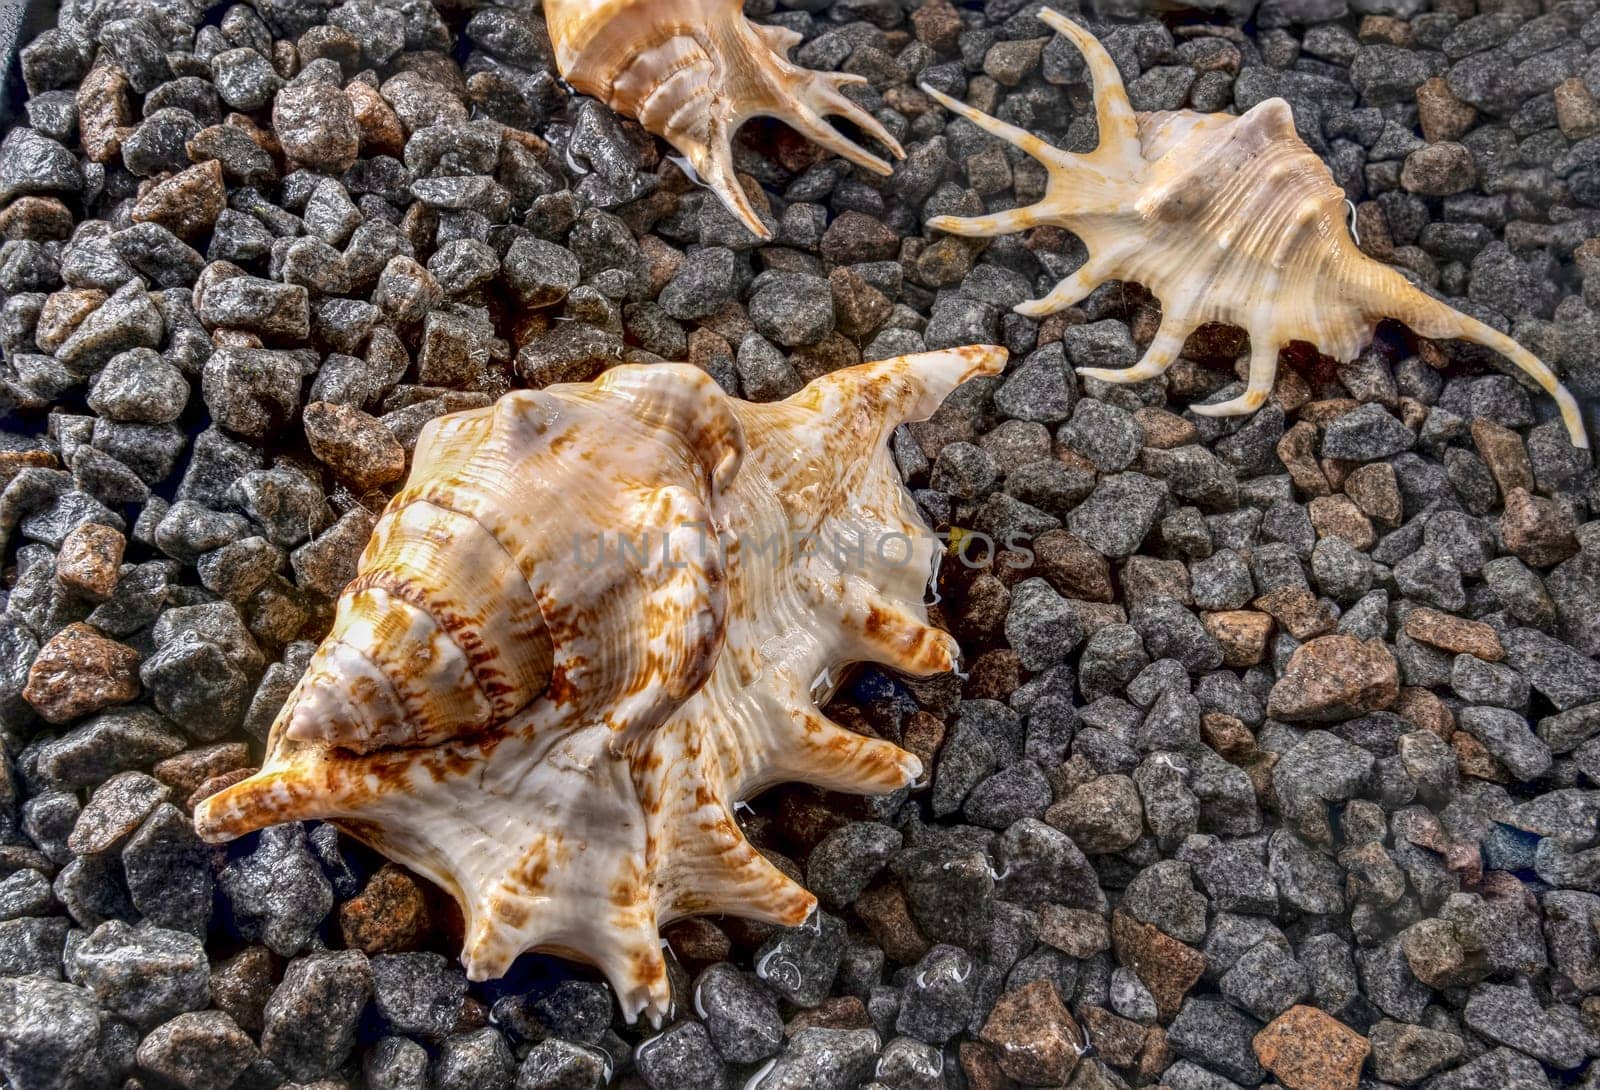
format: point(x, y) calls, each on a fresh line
point(693, 71)
point(1225, 219)
point(594, 619)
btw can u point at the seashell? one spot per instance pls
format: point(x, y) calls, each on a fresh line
point(693, 71)
point(1225, 219)
point(591, 622)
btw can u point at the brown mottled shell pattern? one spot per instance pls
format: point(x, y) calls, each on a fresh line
point(596, 617)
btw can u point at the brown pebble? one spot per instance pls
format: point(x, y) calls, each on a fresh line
point(1297, 450)
point(1163, 964)
point(388, 915)
point(1117, 1040)
point(983, 608)
point(661, 261)
point(263, 138)
point(36, 219)
point(1227, 735)
point(241, 986)
point(1310, 1050)
point(697, 942)
point(381, 131)
point(1384, 29)
point(1372, 230)
point(90, 560)
point(1299, 611)
point(1164, 430)
point(1425, 710)
point(708, 351)
point(833, 352)
point(1338, 516)
point(981, 1069)
point(1577, 115)
point(188, 203)
point(333, 42)
point(1243, 634)
point(887, 916)
point(1146, 577)
point(1034, 1037)
point(924, 734)
point(1333, 678)
point(854, 237)
point(1290, 390)
point(234, 338)
point(835, 1012)
point(1072, 567)
point(1439, 170)
point(1155, 1057)
point(1102, 816)
point(1503, 451)
point(1441, 114)
point(858, 307)
point(1454, 634)
point(13, 462)
point(354, 444)
point(1096, 615)
point(105, 112)
point(938, 25)
point(317, 127)
point(1376, 491)
point(1336, 470)
point(80, 671)
point(1326, 410)
point(1475, 761)
point(62, 313)
point(995, 675)
point(1539, 531)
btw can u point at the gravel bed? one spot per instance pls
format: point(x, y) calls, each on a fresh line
point(1277, 754)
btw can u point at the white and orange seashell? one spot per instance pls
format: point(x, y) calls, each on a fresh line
point(588, 625)
point(1225, 219)
point(693, 71)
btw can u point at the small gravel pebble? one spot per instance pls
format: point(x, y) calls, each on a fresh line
point(146, 975)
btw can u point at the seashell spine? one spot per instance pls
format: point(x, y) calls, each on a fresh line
point(693, 71)
point(1225, 219)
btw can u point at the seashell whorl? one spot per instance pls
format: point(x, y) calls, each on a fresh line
point(573, 785)
point(693, 71)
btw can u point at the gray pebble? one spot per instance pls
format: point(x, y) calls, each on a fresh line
point(146, 975)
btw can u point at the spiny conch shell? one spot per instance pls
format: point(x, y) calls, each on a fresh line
point(1225, 219)
point(591, 622)
point(693, 71)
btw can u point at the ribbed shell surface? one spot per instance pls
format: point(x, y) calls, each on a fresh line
point(684, 570)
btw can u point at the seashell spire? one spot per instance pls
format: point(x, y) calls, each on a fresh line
point(588, 625)
point(1225, 219)
point(693, 71)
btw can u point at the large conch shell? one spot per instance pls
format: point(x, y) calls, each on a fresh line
point(693, 71)
point(1225, 219)
point(596, 616)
